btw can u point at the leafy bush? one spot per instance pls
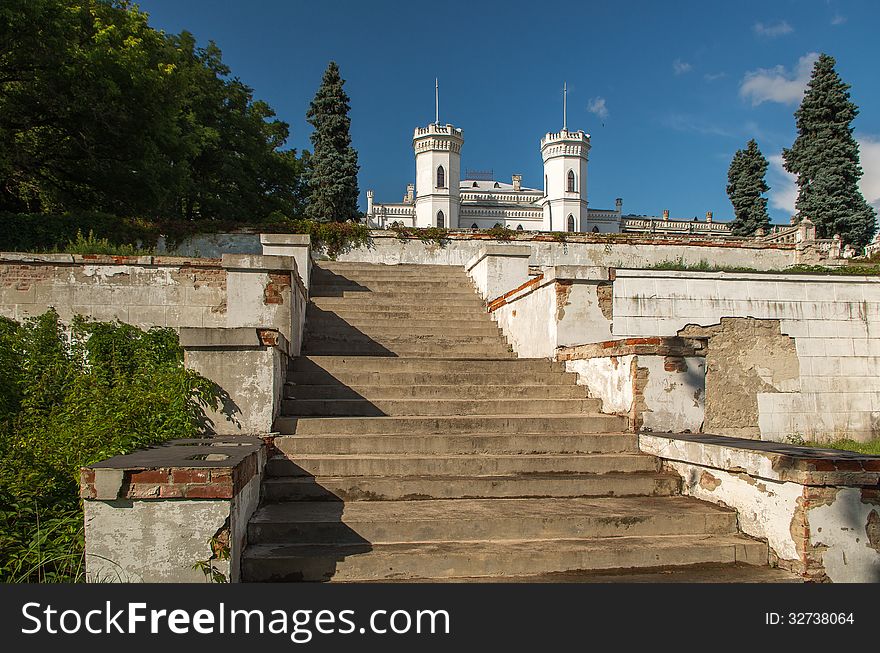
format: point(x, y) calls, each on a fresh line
point(500, 232)
point(35, 232)
point(93, 245)
point(70, 398)
point(424, 234)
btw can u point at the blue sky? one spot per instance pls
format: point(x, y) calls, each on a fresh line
point(668, 90)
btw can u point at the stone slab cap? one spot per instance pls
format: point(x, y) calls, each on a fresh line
point(23, 257)
point(301, 240)
point(580, 273)
point(774, 461)
point(744, 276)
point(108, 483)
point(198, 468)
point(232, 338)
point(517, 251)
point(258, 262)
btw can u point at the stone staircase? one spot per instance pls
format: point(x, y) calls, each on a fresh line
point(415, 445)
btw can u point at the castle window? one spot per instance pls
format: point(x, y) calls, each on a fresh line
point(474, 226)
point(571, 181)
point(497, 185)
point(475, 185)
point(545, 184)
point(595, 230)
point(519, 227)
point(571, 223)
point(441, 177)
point(441, 219)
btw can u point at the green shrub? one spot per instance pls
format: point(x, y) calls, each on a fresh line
point(92, 245)
point(38, 232)
point(500, 232)
point(70, 398)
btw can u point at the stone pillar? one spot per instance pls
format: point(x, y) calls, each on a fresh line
point(297, 246)
point(498, 269)
point(250, 367)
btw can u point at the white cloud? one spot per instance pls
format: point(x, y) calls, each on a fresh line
point(838, 19)
point(772, 30)
point(598, 107)
point(777, 84)
point(680, 67)
point(869, 184)
point(783, 185)
point(711, 77)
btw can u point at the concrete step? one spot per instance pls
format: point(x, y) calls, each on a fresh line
point(457, 465)
point(402, 296)
point(350, 364)
point(414, 379)
point(431, 390)
point(417, 425)
point(398, 488)
point(464, 443)
point(345, 313)
point(392, 268)
point(324, 321)
point(354, 338)
point(340, 284)
point(365, 561)
point(379, 407)
point(378, 351)
point(326, 522)
point(417, 303)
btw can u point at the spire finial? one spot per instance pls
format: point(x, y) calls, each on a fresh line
point(564, 106)
point(436, 101)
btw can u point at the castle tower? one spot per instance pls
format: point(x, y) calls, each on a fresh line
point(565, 177)
point(438, 175)
point(565, 180)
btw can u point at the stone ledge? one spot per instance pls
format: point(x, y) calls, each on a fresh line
point(657, 346)
point(210, 468)
point(515, 251)
point(302, 240)
point(232, 338)
point(781, 277)
point(763, 459)
point(106, 259)
point(258, 262)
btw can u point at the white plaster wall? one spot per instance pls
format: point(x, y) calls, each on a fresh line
point(387, 248)
point(151, 541)
point(835, 324)
point(211, 245)
point(841, 526)
point(764, 508)
point(579, 319)
point(242, 508)
point(608, 379)
point(529, 323)
point(674, 401)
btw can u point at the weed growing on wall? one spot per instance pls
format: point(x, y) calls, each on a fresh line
point(68, 398)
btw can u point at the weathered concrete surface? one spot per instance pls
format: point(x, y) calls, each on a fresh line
point(832, 320)
point(171, 507)
point(249, 365)
point(496, 269)
point(817, 509)
point(297, 246)
point(745, 357)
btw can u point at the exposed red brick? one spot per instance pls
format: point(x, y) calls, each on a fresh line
point(142, 491)
point(190, 476)
point(171, 491)
point(208, 491)
point(150, 476)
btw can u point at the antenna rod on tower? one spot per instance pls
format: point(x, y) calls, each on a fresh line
point(564, 106)
point(436, 101)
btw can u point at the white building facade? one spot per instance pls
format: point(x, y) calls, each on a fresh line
point(441, 198)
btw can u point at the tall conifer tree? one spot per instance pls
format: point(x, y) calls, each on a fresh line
point(745, 188)
point(825, 157)
point(333, 186)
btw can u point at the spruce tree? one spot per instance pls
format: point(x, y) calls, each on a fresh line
point(745, 188)
point(825, 157)
point(333, 186)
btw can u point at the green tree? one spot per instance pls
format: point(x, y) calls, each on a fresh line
point(825, 157)
point(745, 188)
point(333, 167)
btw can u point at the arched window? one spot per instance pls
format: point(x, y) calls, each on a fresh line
point(441, 177)
point(497, 185)
point(519, 227)
point(595, 230)
point(474, 226)
point(571, 223)
point(441, 219)
point(571, 181)
point(545, 184)
point(476, 185)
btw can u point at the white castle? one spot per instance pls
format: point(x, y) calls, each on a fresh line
point(441, 198)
